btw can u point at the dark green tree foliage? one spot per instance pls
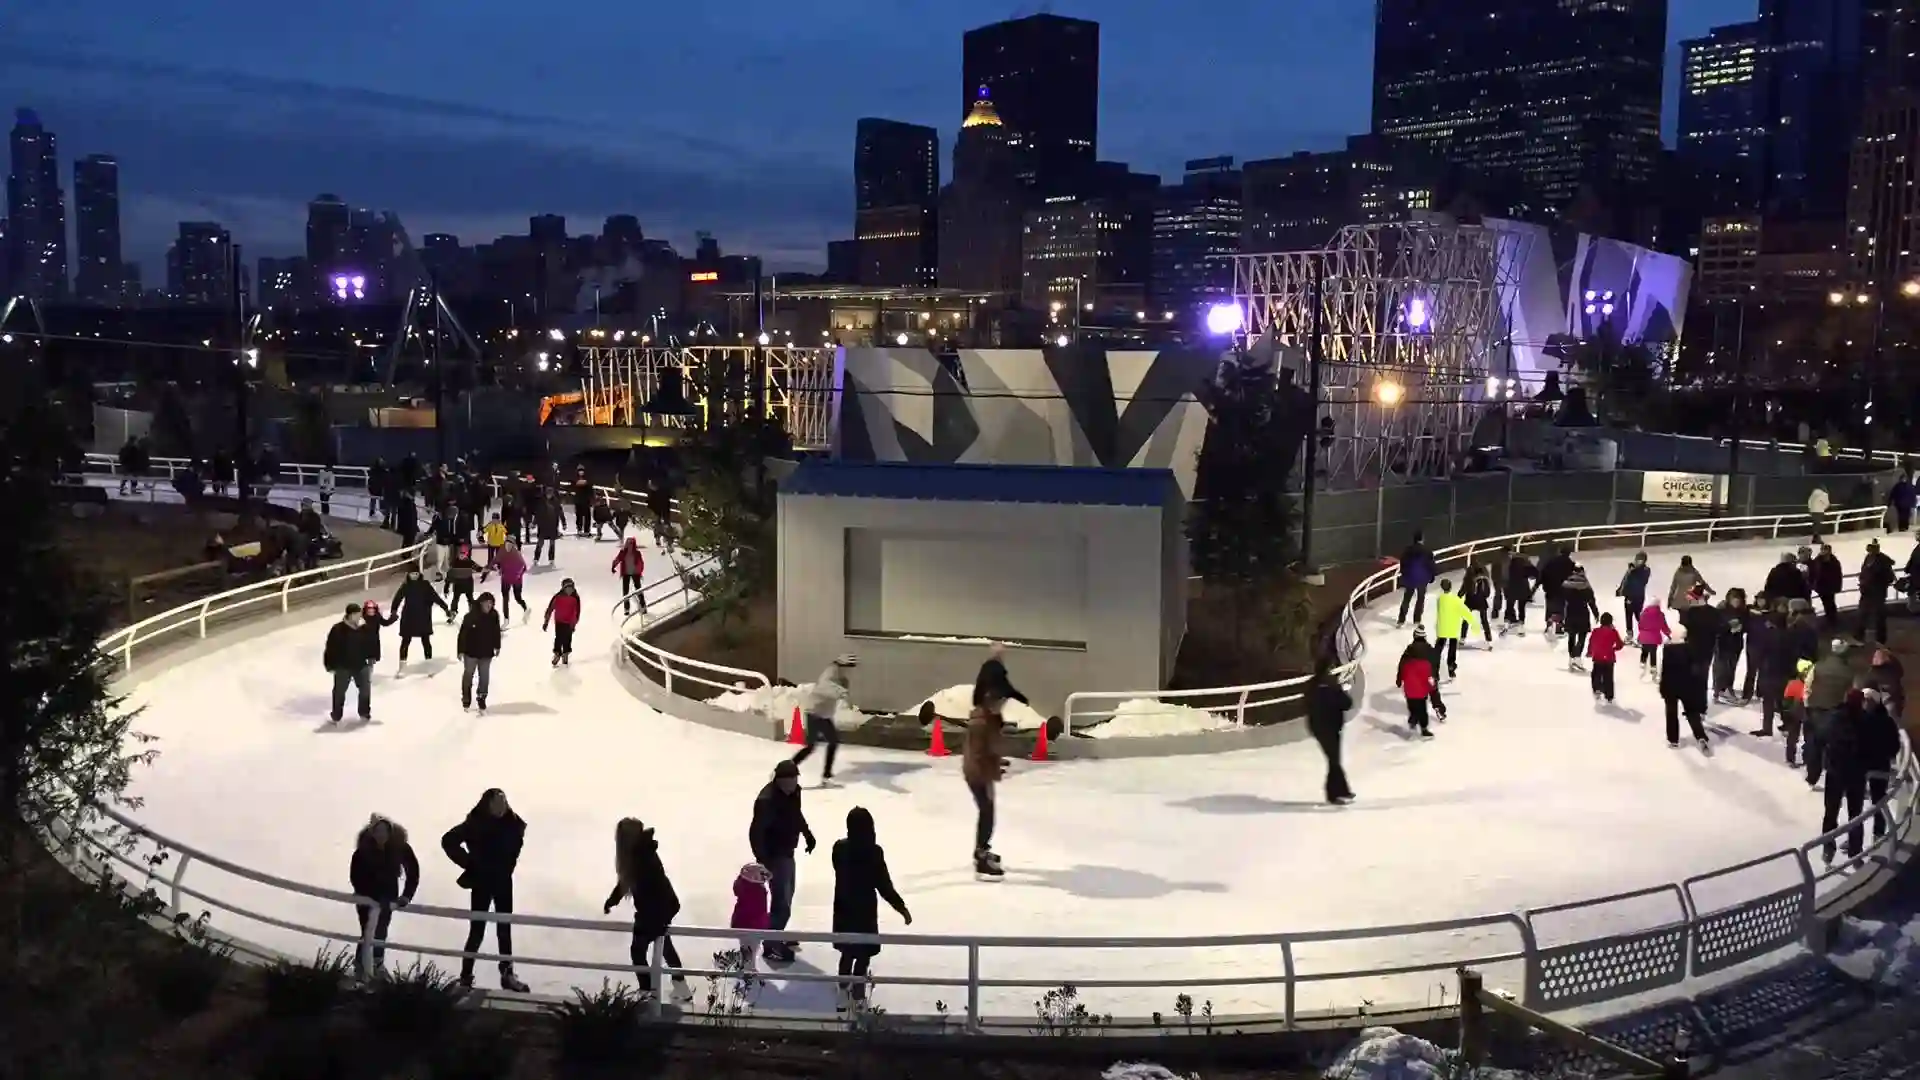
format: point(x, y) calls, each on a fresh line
point(1240, 528)
point(727, 514)
point(66, 743)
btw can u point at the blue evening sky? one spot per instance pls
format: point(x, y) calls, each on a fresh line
point(466, 116)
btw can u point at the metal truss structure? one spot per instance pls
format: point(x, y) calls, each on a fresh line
point(617, 382)
point(1409, 325)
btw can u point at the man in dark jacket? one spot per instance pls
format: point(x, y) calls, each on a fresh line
point(779, 824)
point(1876, 580)
point(1828, 685)
point(1785, 581)
point(1844, 752)
point(1827, 578)
point(1327, 705)
point(1683, 688)
point(345, 658)
point(1554, 573)
point(991, 687)
point(1879, 748)
point(414, 603)
point(1769, 666)
point(1416, 573)
point(1519, 592)
point(486, 847)
point(478, 643)
point(1730, 642)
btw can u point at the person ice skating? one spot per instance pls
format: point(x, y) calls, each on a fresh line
point(326, 483)
point(1841, 751)
point(1900, 501)
point(386, 872)
point(1686, 582)
point(1771, 662)
point(602, 517)
point(1793, 710)
point(1876, 581)
point(1554, 572)
point(1729, 643)
point(1450, 622)
point(581, 489)
point(824, 699)
point(513, 581)
point(445, 536)
point(750, 910)
point(495, 536)
point(1415, 677)
point(546, 524)
point(1786, 581)
point(1476, 589)
point(1682, 689)
point(1578, 608)
point(642, 877)
point(1416, 573)
point(1327, 706)
point(1827, 577)
point(983, 766)
point(1763, 630)
point(1888, 675)
point(477, 643)
point(631, 564)
point(860, 881)
point(486, 847)
point(371, 623)
point(779, 824)
point(1828, 684)
point(563, 614)
point(462, 575)
point(1632, 589)
point(1817, 505)
point(1879, 749)
point(1497, 578)
point(1652, 630)
point(1520, 578)
point(345, 658)
point(992, 683)
point(1603, 648)
point(414, 602)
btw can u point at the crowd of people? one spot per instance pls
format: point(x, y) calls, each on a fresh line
point(1794, 662)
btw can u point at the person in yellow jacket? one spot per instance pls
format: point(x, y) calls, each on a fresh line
point(1449, 622)
point(495, 535)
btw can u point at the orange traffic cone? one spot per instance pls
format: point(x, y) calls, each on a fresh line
point(1040, 745)
point(796, 735)
point(937, 739)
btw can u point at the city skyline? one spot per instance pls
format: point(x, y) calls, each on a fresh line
point(476, 151)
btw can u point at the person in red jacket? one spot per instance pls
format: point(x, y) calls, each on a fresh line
point(1415, 680)
point(1603, 648)
point(563, 614)
point(630, 563)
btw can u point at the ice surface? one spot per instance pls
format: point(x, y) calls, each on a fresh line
point(1384, 1053)
point(1528, 796)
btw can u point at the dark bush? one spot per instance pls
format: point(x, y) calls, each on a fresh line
point(180, 978)
point(419, 1002)
point(292, 990)
point(598, 1028)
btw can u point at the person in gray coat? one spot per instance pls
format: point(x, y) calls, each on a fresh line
point(822, 702)
point(1685, 579)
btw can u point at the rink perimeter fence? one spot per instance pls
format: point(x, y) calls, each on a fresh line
point(1692, 928)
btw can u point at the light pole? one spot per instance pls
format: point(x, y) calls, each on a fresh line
point(1877, 300)
point(1310, 572)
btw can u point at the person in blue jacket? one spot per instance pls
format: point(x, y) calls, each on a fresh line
point(1633, 588)
point(1416, 573)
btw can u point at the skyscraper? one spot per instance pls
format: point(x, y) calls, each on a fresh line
point(1043, 75)
point(1722, 129)
point(896, 177)
point(329, 243)
point(97, 274)
point(36, 212)
point(980, 209)
point(201, 264)
point(1818, 56)
point(1539, 99)
point(1196, 225)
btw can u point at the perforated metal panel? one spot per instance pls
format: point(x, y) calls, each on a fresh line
point(1753, 928)
point(1564, 976)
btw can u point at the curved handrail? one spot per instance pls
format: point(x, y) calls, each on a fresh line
point(1292, 688)
point(1899, 804)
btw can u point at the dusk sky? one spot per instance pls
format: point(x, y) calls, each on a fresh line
point(466, 116)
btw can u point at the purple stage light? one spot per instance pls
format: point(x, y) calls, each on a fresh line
point(1224, 319)
point(1417, 314)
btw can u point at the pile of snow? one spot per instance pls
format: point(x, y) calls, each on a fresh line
point(1879, 952)
point(1142, 1070)
point(956, 703)
point(1139, 718)
point(780, 701)
point(1383, 1053)
point(947, 640)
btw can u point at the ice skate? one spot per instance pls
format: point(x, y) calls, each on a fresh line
point(1576, 665)
point(1426, 733)
point(681, 993)
point(1761, 733)
point(1705, 747)
point(986, 866)
point(511, 982)
point(556, 660)
point(1673, 744)
point(482, 703)
point(566, 659)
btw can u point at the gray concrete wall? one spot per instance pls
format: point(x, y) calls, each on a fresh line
point(1123, 599)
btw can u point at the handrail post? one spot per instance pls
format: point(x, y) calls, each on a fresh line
point(286, 583)
point(366, 939)
point(973, 987)
point(1240, 712)
point(1286, 969)
point(656, 970)
point(173, 897)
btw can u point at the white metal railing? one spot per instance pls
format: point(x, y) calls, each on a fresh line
point(1696, 922)
point(666, 668)
point(1232, 702)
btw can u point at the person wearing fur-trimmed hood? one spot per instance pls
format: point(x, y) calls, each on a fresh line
point(642, 877)
point(385, 872)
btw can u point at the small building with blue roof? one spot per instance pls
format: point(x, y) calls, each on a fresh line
point(916, 568)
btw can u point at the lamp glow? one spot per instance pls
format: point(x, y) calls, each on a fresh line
point(763, 339)
point(1388, 393)
point(1224, 319)
point(1417, 314)
point(1062, 341)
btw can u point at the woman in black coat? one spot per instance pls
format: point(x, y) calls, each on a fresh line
point(643, 878)
point(382, 861)
point(860, 881)
point(370, 626)
point(486, 848)
point(1327, 706)
point(413, 605)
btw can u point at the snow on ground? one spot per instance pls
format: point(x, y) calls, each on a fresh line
point(1384, 1053)
point(780, 701)
point(1879, 952)
point(956, 703)
point(1527, 796)
point(1141, 1070)
point(1139, 718)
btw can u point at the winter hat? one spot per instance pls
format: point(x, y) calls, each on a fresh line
point(1419, 631)
point(786, 770)
point(1803, 666)
point(1840, 646)
point(756, 873)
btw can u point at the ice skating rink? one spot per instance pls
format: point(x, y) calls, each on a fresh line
point(1528, 796)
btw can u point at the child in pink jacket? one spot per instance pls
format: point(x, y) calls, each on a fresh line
point(512, 567)
point(1652, 633)
point(750, 909)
